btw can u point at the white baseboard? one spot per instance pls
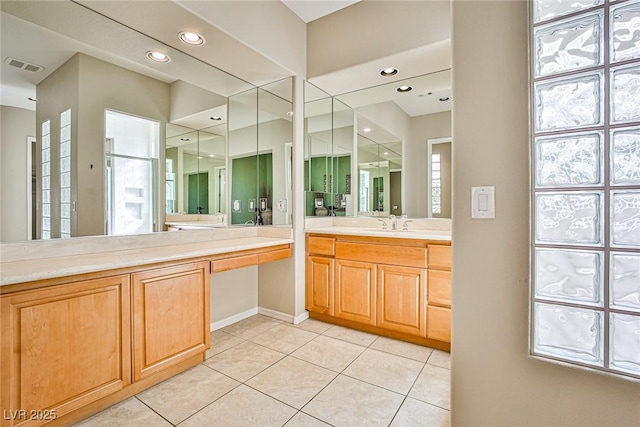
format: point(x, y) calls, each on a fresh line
point(259, 310)
point(233, 319)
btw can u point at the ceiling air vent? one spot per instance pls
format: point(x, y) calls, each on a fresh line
point(24, 65)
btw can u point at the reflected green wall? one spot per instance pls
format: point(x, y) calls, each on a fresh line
point(248, 175)
point(336, 167)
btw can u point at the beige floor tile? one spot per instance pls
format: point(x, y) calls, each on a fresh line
point(414, 413)
point(243, 361)
point(303, 420)
point(292, 381)
point(284, 338)
point(401, 348)
point(433, 386)
point(181, 396)
point(386, 370)
point(350, 335)
point(329, 353)
point(221, 341)
point(242, 407)
point(130, 412)
point(349, 402)
point(313, 325)
point(251, 326)
point(440, 358)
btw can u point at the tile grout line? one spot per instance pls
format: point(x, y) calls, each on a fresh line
point(153, 410)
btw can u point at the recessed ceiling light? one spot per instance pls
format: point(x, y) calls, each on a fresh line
point(404, 88)
point(217, 118)
point(31, 98)
point(366, 130)
point(199, 157)
point(158, 56)
point(194, 39)
point(290, 113)
point(386, 153)
point(446, 98)
point(388, 72)
point(185, 139)
point(212, 155)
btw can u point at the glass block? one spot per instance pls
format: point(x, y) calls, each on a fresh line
point(435, 191)
point(624, 344)
point(46, 155)
point(435, 166)
point(435, 200)
point(624, 291)
point(569, 332)
point(46, 127)
point(46, 183)
point(65, 164)
point(65, 194)
point(625, 218)
point(625, 30)
point(571, 218)
point(65, 149)
point(436, 209)
point(46, 234)
point(569, 45)
point(65, 134)
point(435, 175)
point(435, 158)
point(46, 141)
point(65, 210)
point(625, 156)
point(625, 94)
point(46, 196)
point(569, 102)
point(569, 160)
point(46, 223)
point(65, 226)
point(46, 169)
point(547, 9)
point(435, 183)
point(46, 209)
point(65, 118)
point(570, 276)
point(65, 180)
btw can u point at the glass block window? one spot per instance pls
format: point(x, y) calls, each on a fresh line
point(46, 180)
point(436, 206)
point(585, 69)
point(65, 174)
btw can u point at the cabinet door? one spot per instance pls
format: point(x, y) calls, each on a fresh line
point(355, 291)
point(320, 284)
point(402, 299)
point(170, 316)
point(64, 347)
point(439, 323)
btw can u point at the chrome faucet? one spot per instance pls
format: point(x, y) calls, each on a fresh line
point(394, 222)
point(405, 223)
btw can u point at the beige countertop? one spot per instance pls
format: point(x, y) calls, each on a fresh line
point(379, 232)
point(22, 263)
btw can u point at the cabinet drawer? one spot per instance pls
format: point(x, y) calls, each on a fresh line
point(382, 254)
point(322, 246)
point(439, 287)
point(226, 264)
point(274, 255)
point(439, 256)
point(439, 323)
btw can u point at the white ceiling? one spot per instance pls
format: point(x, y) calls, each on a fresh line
point(310, 10)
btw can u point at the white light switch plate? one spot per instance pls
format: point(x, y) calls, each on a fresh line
point(483, 202)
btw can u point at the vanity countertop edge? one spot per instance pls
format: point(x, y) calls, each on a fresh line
point(416, 234)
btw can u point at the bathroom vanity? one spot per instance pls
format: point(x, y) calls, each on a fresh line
point(390, 282)
point(89, 322)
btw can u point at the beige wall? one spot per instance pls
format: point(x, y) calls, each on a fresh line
point(415, 160)
point(233, 292)
point(494, 381)
point(17, 125)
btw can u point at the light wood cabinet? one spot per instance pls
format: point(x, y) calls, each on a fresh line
point(355, 291)
point(319, 297)
point(402, 298)
point(390, 286)
point(170, 316)
point(64, 347)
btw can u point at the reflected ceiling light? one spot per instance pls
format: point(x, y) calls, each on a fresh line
point(290, 113)
point(185, 139)
point(366, 130)
point(158, 56)
point(386, 153)
point(217, 118)
point(193, 39)
point(404, 88)
point(212, 155)
point(446, 98)
point(199, 157)
point(388, 72)
point(31, 98)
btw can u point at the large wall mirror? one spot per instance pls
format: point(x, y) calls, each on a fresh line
point(398, 168)
point(122, 142)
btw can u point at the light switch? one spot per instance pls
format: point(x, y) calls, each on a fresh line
point(483, 204)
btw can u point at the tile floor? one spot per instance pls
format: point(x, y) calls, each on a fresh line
point(263, 372)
